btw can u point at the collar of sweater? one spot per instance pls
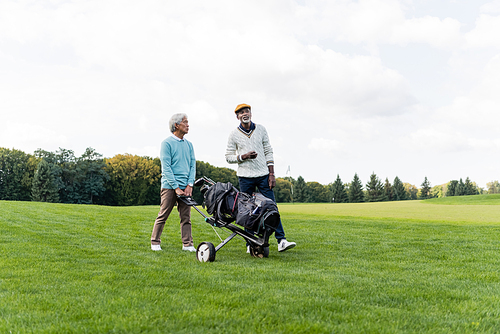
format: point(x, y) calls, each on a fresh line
point(252, 127)
point(177, 138)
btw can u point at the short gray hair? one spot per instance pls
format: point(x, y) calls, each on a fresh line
point(176, 119)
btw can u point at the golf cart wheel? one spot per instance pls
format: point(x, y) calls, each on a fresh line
point(205, 252)
point(266, 251)
point(259, 252)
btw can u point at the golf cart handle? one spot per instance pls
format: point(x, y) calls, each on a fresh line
point(202, 180)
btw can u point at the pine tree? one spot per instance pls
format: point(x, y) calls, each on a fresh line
point(470, 188)
point(299, 190)
point(356, 194)
point(339, 193)
point(460, 189)
point(375, 189)
point(399, 190)
point(452, 186)
point(425, 192)
point(43, 187)
point(389, 191)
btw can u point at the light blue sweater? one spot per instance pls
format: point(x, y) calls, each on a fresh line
point(178, 164)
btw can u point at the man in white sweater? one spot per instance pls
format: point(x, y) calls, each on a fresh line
point(248, 146)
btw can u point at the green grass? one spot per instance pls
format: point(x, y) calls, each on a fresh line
point(480, 209)
point(492, 199)
point(397, 267)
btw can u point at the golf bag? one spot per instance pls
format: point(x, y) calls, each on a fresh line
point(227, 204)
point(257, 214)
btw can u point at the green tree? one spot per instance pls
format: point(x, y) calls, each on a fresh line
point(153, 194)
point(300, 190)
point(79, 180)
point(356, 194)
point(283, 190)
point(451, 188)
point(317, 193)
point(460, 189)
point(44, 188)
point(130, 179)
point(375, 189)
point(438, 191)
point(69, 175)
point(493, 187)
point(389, 191)
point(347, 187)
point(55, 161)
point(93, 175)
point(16, 174)
point(425, 191)
point(338, 191)
point(470, 187)
point(399, 190)
point(411, 191)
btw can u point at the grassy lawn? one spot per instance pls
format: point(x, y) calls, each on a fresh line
point(393, 267)
point(479, 209)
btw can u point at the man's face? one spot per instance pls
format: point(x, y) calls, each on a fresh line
point(183, 126)
point(244, 115)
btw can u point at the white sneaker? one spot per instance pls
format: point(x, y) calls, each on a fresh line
point(156, 247)
point(284, 245)
point(248, 249)
point(189, 248)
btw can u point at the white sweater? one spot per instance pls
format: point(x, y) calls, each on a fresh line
point(240, 143)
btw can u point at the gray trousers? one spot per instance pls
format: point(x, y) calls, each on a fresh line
point(168, 200)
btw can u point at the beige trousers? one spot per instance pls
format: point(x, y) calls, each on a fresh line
point(168, 200)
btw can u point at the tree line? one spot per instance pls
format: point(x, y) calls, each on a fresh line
point(291, 190)
point(62, 177)
point(125, 179)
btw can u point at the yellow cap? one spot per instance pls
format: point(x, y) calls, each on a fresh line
point(241, 106)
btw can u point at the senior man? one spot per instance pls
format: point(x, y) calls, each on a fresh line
point(178, 169)
point(249, 147)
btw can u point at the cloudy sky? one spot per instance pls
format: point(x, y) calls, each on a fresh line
point(406, 88)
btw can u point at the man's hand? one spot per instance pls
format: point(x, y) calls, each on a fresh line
point(188, 191)
point(249, 155)
point(179, 192)
point(272, 181)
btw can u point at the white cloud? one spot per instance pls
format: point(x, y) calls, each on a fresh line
point(446, 140)
point(470, 122)
point(372, 23)
point(431, 30)
point(109, 75)
point(485, 33)
point(138, 42)
point(324, 145)
point(492, 7)
point(479, 108)
point(20, 135)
